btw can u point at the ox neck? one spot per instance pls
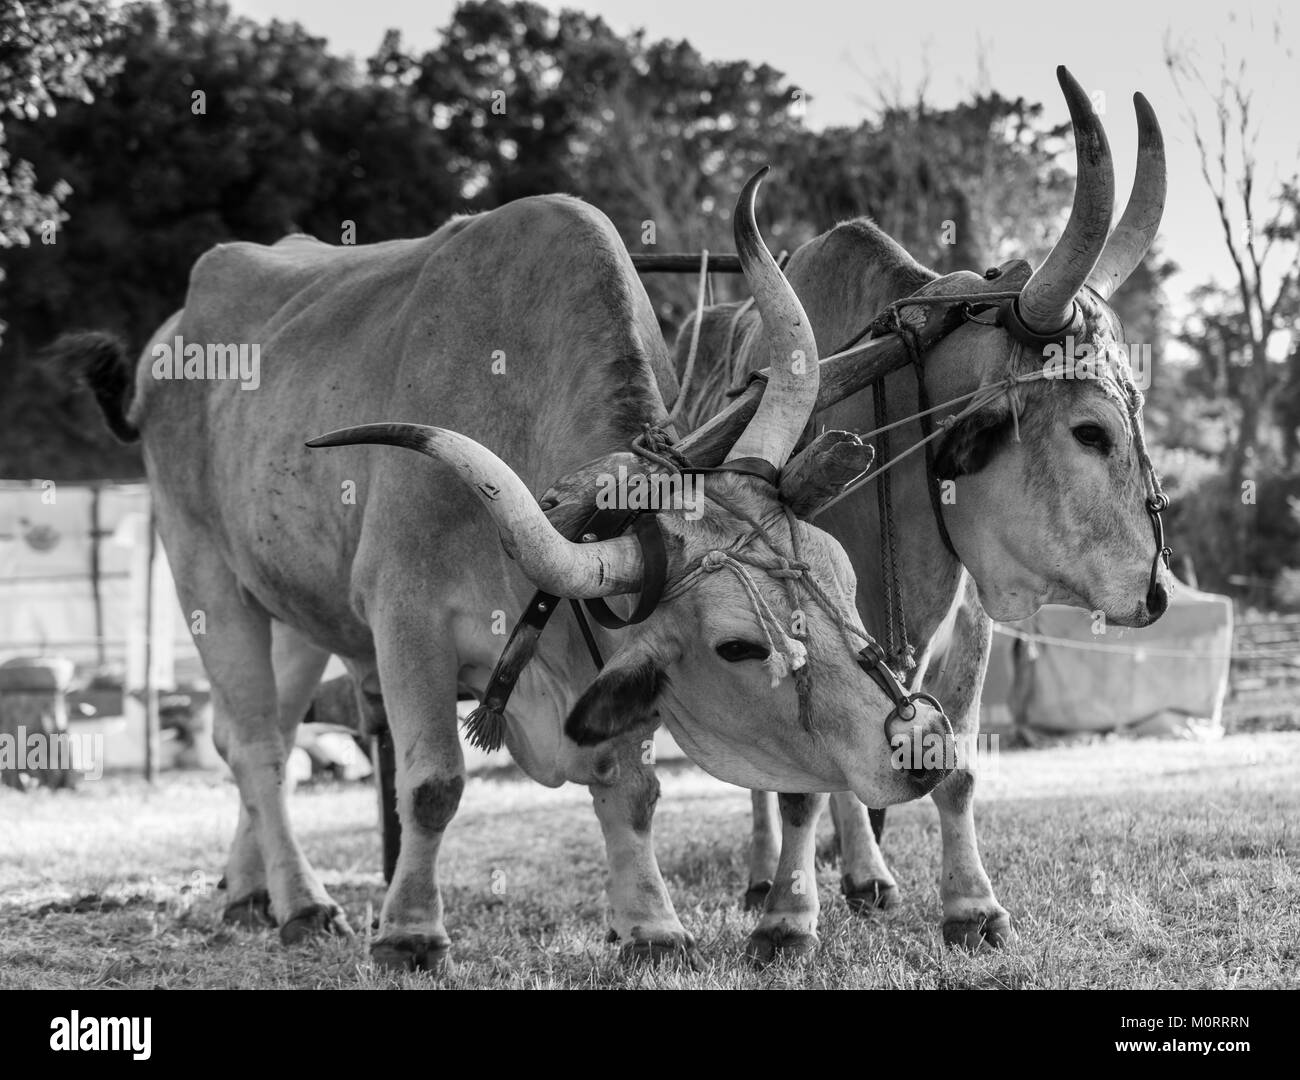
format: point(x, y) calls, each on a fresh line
point(931, 577)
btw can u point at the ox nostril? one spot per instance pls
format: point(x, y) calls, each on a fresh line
point(1157, 600)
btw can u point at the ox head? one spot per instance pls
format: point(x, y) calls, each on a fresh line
point(1052, 478)
point(751, 655)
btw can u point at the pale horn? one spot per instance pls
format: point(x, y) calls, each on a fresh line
point(551, 562)
point(1046, 303)
point(1132, 237)
point(791, 391)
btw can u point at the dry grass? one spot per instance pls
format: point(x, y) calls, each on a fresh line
point(1124, 864)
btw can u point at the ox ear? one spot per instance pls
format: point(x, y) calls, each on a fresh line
point(623, 697)
point(972, 443)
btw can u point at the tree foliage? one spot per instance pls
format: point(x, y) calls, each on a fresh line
point(50, 51)
point(1241, 401)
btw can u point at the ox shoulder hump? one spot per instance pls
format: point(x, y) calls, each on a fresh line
point(561, 212)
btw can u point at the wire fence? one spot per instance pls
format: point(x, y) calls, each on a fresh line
point(1264, 679)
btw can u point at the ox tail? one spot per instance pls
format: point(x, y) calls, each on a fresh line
point(102, 361)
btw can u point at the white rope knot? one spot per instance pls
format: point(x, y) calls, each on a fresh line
point(788, 570)
point(785, 653)
point(787, 660)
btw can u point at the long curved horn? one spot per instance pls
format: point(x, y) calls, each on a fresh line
point(551, 562)
point(1047, 299)
point(1132, 237)
point(791, 391)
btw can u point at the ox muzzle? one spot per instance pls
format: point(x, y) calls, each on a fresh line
point(920, 736)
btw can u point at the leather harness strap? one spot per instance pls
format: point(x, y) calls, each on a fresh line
point(932, 485)
point(654, 561)
point(747, 466)
point(485, 726)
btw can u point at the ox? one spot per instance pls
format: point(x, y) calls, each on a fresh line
point(524, 330)
point(1048, 501)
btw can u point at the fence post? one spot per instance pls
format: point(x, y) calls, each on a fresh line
point(152, 720)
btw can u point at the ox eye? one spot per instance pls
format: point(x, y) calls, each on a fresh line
point(1092, 436)
point(734, 651)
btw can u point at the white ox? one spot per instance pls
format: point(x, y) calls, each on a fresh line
point(1058, 516)
point(525, 330)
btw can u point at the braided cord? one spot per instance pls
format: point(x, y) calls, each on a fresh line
point(899, 648)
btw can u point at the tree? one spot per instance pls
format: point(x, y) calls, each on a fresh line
point(1261, 240)
point(213, 128)
point(49, 50)
point(657, 136)
point(960, 188)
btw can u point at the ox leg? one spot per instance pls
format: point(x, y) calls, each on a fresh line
point(298, 666)
point(972, 915)
point(642, 917)
point(764, 849)
point(419, 698)
point(865, 879)
point(236, 652)
point(788, 926)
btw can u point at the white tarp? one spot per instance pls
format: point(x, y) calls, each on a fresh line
point(1063, 671)
point(48, 537)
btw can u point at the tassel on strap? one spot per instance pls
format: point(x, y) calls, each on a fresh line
point(485, 727)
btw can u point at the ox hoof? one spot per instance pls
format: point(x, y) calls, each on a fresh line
point(672, 948)
point(313, 921)
point(756, 895)
point(769, 943)
point(873, 895)
point(989, 929)
point(412, 952)
point(253, 912)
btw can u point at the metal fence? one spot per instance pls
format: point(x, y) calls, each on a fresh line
point(1264, 679)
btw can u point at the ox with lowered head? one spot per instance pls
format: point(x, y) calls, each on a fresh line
point(524, 330)
point(1049, 500)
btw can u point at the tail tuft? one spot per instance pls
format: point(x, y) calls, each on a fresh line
point(102, 361)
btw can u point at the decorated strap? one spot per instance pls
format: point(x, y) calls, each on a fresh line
point(485, 727)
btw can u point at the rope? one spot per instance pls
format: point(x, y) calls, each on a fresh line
point(788, 653)
point(689, 374)
point(1148, 650)
point(655, 444)
point(733, 355)
point(984, 396)
point(780, 566)
point(1135, 401)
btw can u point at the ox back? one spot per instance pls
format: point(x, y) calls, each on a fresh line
point(526, 329)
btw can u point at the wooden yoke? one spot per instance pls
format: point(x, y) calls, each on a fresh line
point(569, 501)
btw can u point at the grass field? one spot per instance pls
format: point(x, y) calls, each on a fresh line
point(1124, 864)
